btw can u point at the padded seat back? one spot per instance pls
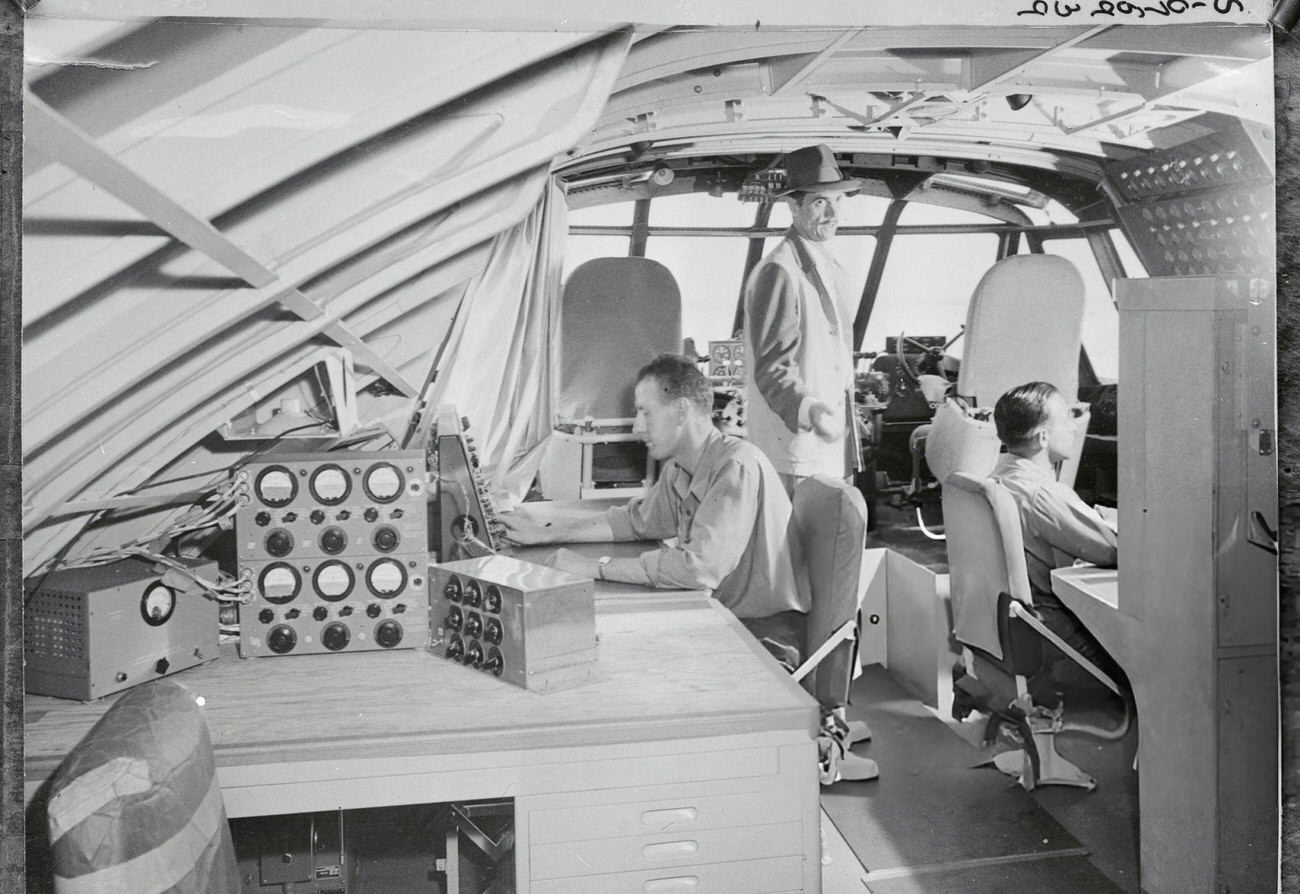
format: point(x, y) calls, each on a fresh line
point(828, 533)
point(135, 807)
point(1024, 324)
point(616, 315)
point(986, 560)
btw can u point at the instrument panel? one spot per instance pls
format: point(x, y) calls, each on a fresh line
point(332, 547)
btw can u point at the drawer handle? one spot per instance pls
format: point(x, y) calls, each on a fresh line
point(671, 849)
point(661, 819)
point(672, 885)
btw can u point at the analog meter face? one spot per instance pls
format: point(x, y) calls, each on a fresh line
point(384, 482)
point(157, 604)
point(275, 486)
point(386, 577)
point(280, 583)
point(330, 485)
point(333, 581)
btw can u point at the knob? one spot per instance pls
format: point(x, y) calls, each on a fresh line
point(281, 639)
point(320, 613)
point(161, 665)
point(474, 655)
point(473, 595)
point(396, 513)
point(344, 514)
point(372, 610)
point(386, 539)
point(494, 663)
point(493, 633)
point(492, 600)
point(388, 634)
point(345, 611)
point(455, 649)
point(291, 614)
point(262, 519)
point(290, 517)
point(317, 517)
point(279, 542)
point(473, 625)
point(371, 514)
point(454, 618)
point(266, 616)
point(332, 540)
point(452, 590)
point(335, 636)
point(399, 608)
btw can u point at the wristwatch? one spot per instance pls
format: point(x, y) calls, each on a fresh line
point(600, 566)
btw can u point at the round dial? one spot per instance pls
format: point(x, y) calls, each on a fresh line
point(388, 634)
point(281, 639)
point(279, 543)
point(333, 581)
point(385, 538)
point(279, 583)
point(386, 577)
point(383, 482)
point(330, 484)
point(333, 540)
point(276, 486)
point(335, 636)
point(157, 604)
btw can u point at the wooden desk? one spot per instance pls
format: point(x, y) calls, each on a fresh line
point(689, 755)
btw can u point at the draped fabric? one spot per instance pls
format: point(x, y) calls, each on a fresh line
point(496, 369)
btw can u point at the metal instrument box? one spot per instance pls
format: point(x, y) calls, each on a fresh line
point(531, 625)
point(90, 632)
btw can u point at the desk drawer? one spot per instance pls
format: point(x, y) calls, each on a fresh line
point(771, 876)
point(607, 855)
point(778, 804)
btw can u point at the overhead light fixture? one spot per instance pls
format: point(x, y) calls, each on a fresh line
point(717, 189)
point(662, 176)
point(1018, 101)
point(996, 190)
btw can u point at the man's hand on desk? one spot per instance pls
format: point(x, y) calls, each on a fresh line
point(523, 531)
point(568, 560)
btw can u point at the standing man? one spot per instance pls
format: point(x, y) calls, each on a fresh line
point(799, 333)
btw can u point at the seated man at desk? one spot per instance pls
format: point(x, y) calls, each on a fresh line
point(722, 500)
point(1037, 427)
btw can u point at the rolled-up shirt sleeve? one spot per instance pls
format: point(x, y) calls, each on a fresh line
point(772, 311)
point(719, 534)
point(1073, 529)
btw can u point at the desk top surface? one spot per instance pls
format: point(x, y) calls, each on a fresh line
point(1087, 581)
point(675, 665)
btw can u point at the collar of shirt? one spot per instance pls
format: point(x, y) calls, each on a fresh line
point(695, 480)
point(1010, 463)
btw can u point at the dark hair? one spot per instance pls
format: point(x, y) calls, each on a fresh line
point(1021, 411)
point(678, 376)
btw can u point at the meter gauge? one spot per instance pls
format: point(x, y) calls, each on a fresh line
point(386, 578)
point(330, 484)
point(383, 482)
point(276, 486)
point(333, 580)
point(157, 604)
point(279, 583)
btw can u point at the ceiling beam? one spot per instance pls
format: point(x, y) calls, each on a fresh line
point(63, 141)
point(805, 66)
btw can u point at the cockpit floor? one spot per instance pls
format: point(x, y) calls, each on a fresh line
point(934, 822)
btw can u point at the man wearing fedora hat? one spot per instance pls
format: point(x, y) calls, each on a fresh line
point(799, 332)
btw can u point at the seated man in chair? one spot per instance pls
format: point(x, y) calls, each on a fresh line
point(1037, 426)
point(724, 503)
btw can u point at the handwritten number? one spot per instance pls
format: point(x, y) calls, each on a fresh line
point(1223, 7)
point(1038, 9)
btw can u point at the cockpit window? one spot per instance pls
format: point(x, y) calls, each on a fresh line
point(1100, 318)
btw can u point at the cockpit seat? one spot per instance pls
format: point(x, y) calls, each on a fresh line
point(1024, 324)
point(1001, 638)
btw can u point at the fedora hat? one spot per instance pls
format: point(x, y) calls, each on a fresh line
point(813, 169)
